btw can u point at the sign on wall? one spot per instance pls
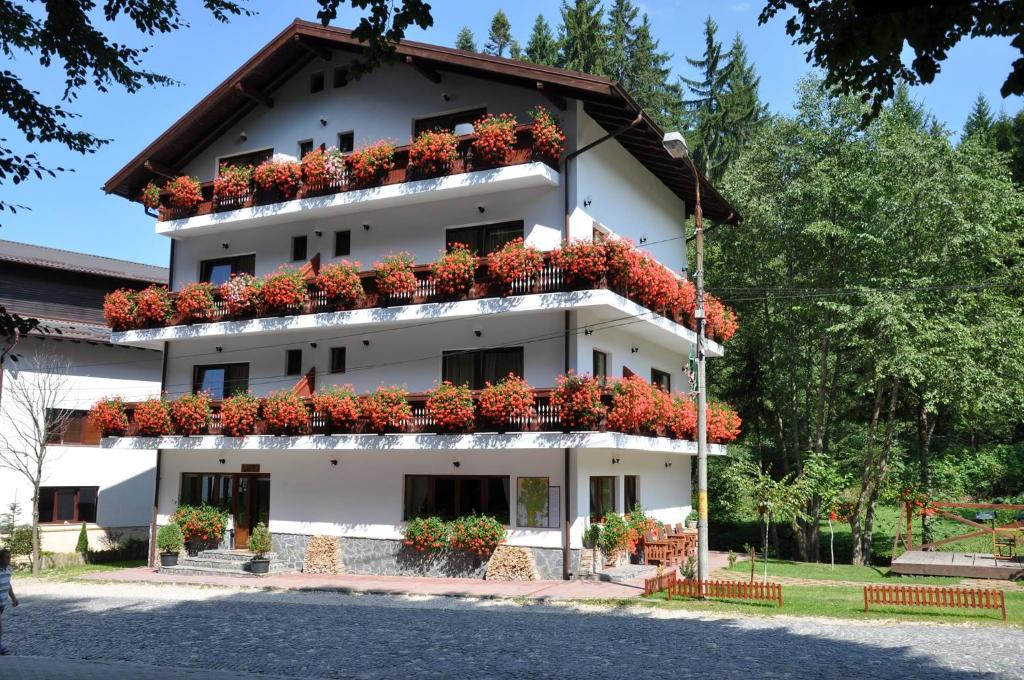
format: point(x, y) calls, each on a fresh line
point(533, 502)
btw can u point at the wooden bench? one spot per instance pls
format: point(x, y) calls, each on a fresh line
point(729, 590)
point(928, 596)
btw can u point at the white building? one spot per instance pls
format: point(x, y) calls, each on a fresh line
point(110, 491)
point(294, 95)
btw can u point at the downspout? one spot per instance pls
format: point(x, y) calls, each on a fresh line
point(159, 452)
point(566, 550)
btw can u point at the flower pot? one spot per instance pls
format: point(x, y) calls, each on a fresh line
point(169, 559)
point(691, 524)
point(259, 565)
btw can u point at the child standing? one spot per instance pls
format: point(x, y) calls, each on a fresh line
point(6, 592)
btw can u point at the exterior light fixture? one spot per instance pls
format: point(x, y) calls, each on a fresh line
point(334, 462)
point(242, 137)
point(481, 209)
point(634, 349)
point(366, 342)
point(323, 121)
point(477, 332)
point(675, 144)
point(220, 460)
point(225, 245)
point(615, 461)
point(366, 227)
point(445, 96)
point(219, 348)
point(313, 345)
point(318, 233)
point(456, 463)
point(668, 463)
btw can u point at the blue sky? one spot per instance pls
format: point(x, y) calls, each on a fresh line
point(72, 212)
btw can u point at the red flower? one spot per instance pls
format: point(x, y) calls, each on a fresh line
point(151, 418)
point(151, 196)
point(195, 302)
point(240, 294)
point(190, 414)
point(637, 406)
point(433, 151)
point(515, 262)
point(582, 261)
point(153, 306)
point(723, 423)
point(495, 138)
point(479, 534)
point(339, 406)
point(285, 414)
point(394, 275)
point(453, 273)
point(119, 309)
point(285, 290)
point(341, 284)
point(108, 415)
point(681, 420)
point(548, 138)
point(578, 400)
point(509, 401)
point(387, 408)
point(367, 166)
point(238, 415)
point(186, 192)
point(232, 181)
point(285, 176)
point(451, 407)
point(314, 166)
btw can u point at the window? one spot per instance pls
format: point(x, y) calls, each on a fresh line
point(340, 76)
point(337, 360)
point(629, 490)
point(448, 121)
point(305, 146)
point(316, 82)
point(346, 141)
point(220, 380)
point(67, 503)
point(486, 238)
point(449, 497)
point(661, 379)
point(601, 366)
point(342, 243)
point(220, 270)
point(249, 158)
point(70, 427)
point(206, 489)
point(476, 367)
point(293, 362)
point(602, 497)
point(298, 248)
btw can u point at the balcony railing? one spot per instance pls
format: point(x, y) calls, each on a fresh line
point(521, 153)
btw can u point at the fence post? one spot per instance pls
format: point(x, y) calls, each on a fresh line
point(866, 598)
point(753, 558)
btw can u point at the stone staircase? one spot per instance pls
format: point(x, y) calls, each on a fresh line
point(222, 563)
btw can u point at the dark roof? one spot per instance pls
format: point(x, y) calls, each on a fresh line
point(604, 100)
point(55, 258)
point(59, 329)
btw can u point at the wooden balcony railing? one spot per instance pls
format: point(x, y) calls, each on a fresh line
point(521, 153)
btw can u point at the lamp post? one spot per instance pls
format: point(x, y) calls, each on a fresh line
point(675, 144)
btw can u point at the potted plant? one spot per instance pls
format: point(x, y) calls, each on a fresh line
point(478, 534)
point(232, 183)
point(185, 192)
point(108, 415)
point(387, 409)
point(153, 306)
point(548, 138)
point(582, 262)
point(341, 284)
point(285, 414)
point(282, 177)
point(240, 295)
point(515, 262)
point(681, 421)
point(578, 400)
point(119, 309)
point(451, 407)
point(425, 534)
point(152, 419)
point(190, 414)
point(238, 415)
point(508, 402)
point(433, 152)
point(260, 544)
point(495, 138)
point(338, 406)
point(368, 166)
point(195, 302)
point(170, 541)
point(691, 520)
point(151, 196)
point(723, 423)
point(394, 275)
point(636, 406)
point(613, 539)
point(202, 526)
point(284, 291)
point(453, 273)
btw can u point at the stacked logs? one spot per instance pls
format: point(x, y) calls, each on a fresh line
point(323, 556)
point(509, 563)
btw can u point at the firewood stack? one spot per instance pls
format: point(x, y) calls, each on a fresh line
point(323, 556)
point(509, 563)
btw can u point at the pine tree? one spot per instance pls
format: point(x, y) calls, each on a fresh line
point(515, 51)
point(542, 47)
point(500, 36)
point(465, 40)
point(708, 115)
point(646, 77)
point(980, 119)
point(83, 541)
point(621, 33)
point(583, 46)
point(742, 103)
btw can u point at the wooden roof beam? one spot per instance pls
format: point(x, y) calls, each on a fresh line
point(427, 72)
point(556, 100)
point(315, 50)
point(258, 97)
point(161, 170)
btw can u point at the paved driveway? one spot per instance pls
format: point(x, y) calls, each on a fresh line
point(313, 634)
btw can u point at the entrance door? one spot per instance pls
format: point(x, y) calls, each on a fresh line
point(252, 506)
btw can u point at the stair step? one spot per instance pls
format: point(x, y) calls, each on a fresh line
point(232, 555)
point(222, 565)
point(210, 568)
point(184, 570)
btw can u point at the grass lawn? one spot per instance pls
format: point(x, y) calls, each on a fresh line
point(842, 572)
point(845, 602)
point(73, 571)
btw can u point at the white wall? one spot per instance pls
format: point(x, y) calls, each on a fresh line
point(125, 478)
point(618, 342)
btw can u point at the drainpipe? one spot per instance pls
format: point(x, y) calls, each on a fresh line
point(159, 452)
point(566, 550)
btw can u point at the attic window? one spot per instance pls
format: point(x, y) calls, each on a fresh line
point(316, 82)
point(341, 76)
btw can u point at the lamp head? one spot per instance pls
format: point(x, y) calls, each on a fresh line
point(675, 144)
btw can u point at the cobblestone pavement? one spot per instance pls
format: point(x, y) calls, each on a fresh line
point(183, 629)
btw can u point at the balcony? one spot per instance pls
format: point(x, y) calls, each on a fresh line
point(402, 186)
point(549, 291)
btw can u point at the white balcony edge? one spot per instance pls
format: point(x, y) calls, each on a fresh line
point(509, 178)
point(512, 441)
point(668, 329)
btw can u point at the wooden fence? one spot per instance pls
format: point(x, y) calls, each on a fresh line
point(729, 590)
point(929, 596)
point(659, 583)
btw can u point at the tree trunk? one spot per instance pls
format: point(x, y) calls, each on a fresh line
point(865, 477)
point(831, 543)
point(880, 472)
point(36, 557)
point(925, 428)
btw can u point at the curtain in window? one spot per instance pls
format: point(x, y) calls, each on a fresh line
point(498, 363)
point(458, 368)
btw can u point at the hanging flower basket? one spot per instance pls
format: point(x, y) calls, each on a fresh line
point(341, 284)
point(369, 166)
point(284, 291)
point(285, 414)
point(387, 409)
point(432, 153)
point(723, 423)
point(119, 309)
point(185, 192)
point(495, 139)
point(238, 415)
point(339, 408)
point(241, 295)
point(582, 262)
point(453, 273)
point(515, 263)
point(681, 420)
point(151, 418)
point(507, 403)
point(151, 196)
point(578, 400)
point(548, 138)
point(153, 306)
point(232, 185)
point(451, 407)
point(190, 414)
point(394, 275)
point(109, 417)
point(282, 177)
point(195, 302)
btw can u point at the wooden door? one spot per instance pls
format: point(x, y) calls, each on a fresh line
point(243, 511)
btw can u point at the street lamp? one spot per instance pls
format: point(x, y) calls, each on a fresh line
point(675, 145)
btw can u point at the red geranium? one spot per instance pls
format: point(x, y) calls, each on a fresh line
point(681, 420)
point(637, 406)
point(515, 262)
point(582, 261)
point(425, 534)
point(578, 400)
point(507, 402)
point(152, 419)
point(232, 181)
point(341, 284)
point(479, 534)
point(119, 309)
point(285, 176)
point(723, 423)
point(240, 294)
point(686, 301)
point(284, 291)
point(394, 274)
point(548, 138)
point(195, 302)
point(151, 195)
point(369, 165)
point(387, 409)
point(186, 192)
point(238, 415)
point(452, 407)
point(190, 414)
point(108, 415)
point(453, 273)
point(434, 151)
point(338, 406)
point(314, 166)
point(495, 138)
point(153, 305)
point(721, 323)
point(285, 414)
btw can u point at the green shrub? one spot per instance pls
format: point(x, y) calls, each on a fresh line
point(426, 534)
point(614, 534)
point(479, 534)
point(260, 542)
point(19, 541)
point(83, 541)
point(591, 535)
point(169, 538)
